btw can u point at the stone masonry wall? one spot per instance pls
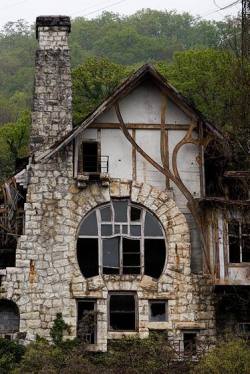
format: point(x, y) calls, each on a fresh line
point(47, 278)
point(52, 100)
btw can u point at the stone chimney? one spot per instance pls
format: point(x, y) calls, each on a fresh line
point(52, 101)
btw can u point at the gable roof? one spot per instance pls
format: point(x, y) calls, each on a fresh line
point(145, 72)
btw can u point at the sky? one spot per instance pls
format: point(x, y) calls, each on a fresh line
point(12, 10)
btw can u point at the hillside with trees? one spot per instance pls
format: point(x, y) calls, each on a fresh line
point(201, 58)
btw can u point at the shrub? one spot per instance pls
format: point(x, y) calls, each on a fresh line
point(11, 353)
point(228, 357)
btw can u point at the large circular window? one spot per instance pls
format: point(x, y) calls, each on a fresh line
point(121, 238)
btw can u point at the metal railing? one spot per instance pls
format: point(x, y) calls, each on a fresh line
point(95, 164)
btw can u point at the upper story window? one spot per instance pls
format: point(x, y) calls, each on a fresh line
point(121, 238)
point(89, 163)
point(239, 241)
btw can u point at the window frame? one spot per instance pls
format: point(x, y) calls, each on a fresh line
point(157, 301)
point(120, 234)
point(123, 293)
point(240, 224)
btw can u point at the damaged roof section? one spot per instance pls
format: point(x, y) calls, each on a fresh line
point(145, 72)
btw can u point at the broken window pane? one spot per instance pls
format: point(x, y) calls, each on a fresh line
point(245, 232)
point(131, 256)
point(234, 241)
point(120, 208)
point(106, 214)
point(122, 312)
point(157, 311)
point(152, 226)
point(189, 341)
point(111, 261)
point(135, 214)
point(106, 230)
point(89, 226)
point(154, 257)
point(135, 230)
point(86, 324)
point(87, 256)
point(9, 317)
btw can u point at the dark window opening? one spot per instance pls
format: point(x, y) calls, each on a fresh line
point(131, 256)
point(87, 256)
point(189, 343)
point(9, 317)
point(239, 242)
point(154, 257)
point(7, 258)
point(86, 325)
point(90, 157)
point(158, 311)
point(122, 312)
point(111, 258)
point(135, 214)
point(245, 232)
point(234, 241)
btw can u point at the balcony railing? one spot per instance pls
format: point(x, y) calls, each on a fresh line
point(95, 164)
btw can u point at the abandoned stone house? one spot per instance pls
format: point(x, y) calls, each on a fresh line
point(119, 217)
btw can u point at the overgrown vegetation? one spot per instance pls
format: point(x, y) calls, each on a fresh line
point(201, 58)
point(153, 355)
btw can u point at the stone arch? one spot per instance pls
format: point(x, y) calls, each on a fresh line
point(9, 317)
point(164, 208)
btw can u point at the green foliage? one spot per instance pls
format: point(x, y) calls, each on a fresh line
point(215, 82)
point(14, 139)
point(92, 82)
point(11, 353)
point(41, 357)
point(228, 357)
point(58, 328)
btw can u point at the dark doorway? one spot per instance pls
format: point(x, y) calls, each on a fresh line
point(86, 326)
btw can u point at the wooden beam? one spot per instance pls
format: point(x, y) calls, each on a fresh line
point(140, 126)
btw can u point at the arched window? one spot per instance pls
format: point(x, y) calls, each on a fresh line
point(9, 317)
point(121, 238)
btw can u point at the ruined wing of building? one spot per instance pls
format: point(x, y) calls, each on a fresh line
point(116, 218)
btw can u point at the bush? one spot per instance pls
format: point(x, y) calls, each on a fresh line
point(11, 353)
point(228, 357)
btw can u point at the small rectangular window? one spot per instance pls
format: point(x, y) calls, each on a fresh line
point(122, 312)
point(190, 344)
point(86, 322)
point(90, 157)
point(234, 241)
point(245, 232)
point(239, 242)
point(158, 311)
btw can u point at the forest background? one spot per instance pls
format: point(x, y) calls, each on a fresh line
point(201, 58)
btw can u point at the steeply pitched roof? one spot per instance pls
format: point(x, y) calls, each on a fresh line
point(145, 72)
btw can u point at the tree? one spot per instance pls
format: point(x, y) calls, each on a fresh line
point(92, 82)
